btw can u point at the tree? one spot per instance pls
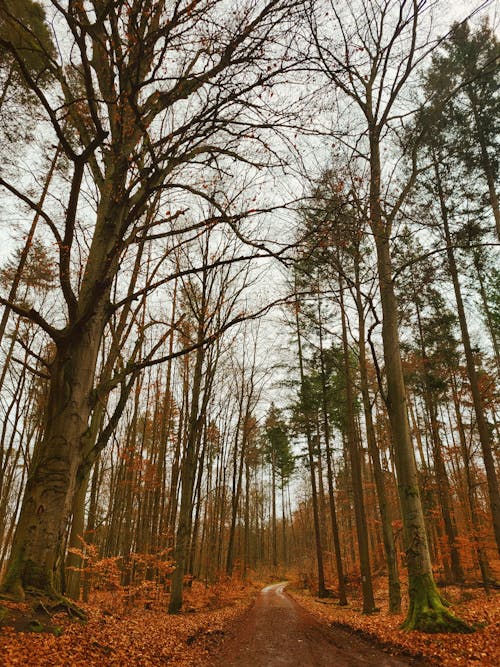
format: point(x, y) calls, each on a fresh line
point(281, 460)
point(305, 408)
point(380, 48)
point(463, 83)
point(136, 126)
point(23, 26)
point(450, 142)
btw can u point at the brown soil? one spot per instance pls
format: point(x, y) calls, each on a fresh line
point(278, 632)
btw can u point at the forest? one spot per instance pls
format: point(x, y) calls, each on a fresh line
point(250, 325)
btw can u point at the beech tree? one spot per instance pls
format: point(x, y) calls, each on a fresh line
point(147, 101)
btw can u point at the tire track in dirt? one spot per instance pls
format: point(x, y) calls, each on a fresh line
point(277, 632)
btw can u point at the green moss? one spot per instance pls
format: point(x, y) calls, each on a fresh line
point(37, 577)
point(56, 604)
point(428, 612)
point(35, 626)
point(12, 587)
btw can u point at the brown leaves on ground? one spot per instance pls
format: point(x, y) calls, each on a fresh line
point(481, 648)
point(141, 633)
point(136, 636)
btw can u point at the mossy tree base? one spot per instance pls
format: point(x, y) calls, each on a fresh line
point(60, 604)
point(428, 612)
point(37, 588)
point(24, 576)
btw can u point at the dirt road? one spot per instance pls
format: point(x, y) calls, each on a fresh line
point(277, 632)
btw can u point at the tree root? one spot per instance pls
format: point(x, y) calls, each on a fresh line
point(47, 603)
point(436, 620)
point(55, 604)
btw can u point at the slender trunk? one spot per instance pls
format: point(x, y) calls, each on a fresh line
point(383, 504)
point(25, 251)
point(319, 551)
point(329, 470)
point(274, 550)
point(246, 534)
point(479, 410)
point(75, 541)
point(357, 482)
point(443, 486)
point(471, 497)
point(238, 462)
point(188, 473)
point(283, 523)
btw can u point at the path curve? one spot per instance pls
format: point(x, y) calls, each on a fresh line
point(277, 632)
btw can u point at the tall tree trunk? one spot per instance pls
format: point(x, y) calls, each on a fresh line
point(329, 470)
point(357, 482)
point(238, 462)
point(383, 504)
point(479, 410)
point(426, 610)
point(443, 486)
point(471, 497)
point(317, 533)
point(274, 547)
point(246, 533)
point(52, 480)
point(188, 474)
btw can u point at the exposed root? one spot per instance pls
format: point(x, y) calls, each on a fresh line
point(58, 604)
point(45, 602)
point(436, 620)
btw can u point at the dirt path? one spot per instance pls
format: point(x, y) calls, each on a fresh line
point(277, 632)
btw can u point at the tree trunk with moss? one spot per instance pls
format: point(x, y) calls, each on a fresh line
point(427, 611)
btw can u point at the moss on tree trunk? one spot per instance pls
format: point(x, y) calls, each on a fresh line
point(427, 611)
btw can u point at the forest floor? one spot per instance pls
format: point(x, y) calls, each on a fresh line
point(121, 632)
point(480, 648)
point(225, 625)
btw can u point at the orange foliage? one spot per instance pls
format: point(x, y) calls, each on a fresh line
point(146, 574)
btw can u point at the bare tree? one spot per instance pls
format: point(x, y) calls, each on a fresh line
point(148, 98)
